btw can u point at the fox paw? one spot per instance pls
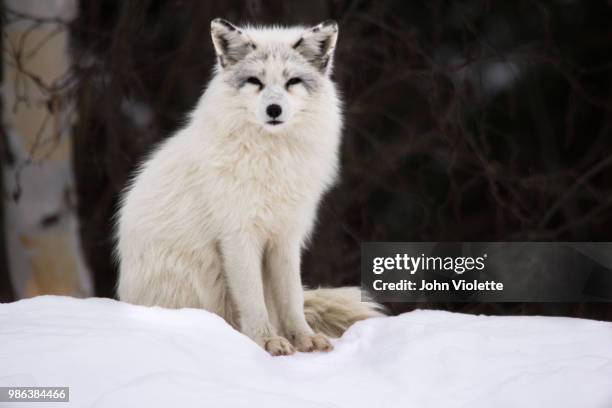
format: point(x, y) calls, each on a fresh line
point(307, 342)
point(278, 346)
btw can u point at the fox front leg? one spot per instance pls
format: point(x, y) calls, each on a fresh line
point(283, 277)
point(242, 263)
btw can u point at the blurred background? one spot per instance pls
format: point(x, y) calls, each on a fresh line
point(465, 121)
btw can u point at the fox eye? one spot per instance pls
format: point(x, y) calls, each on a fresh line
point(255, 81)
point(293, 81)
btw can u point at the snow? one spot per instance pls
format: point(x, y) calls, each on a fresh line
point(112, 354)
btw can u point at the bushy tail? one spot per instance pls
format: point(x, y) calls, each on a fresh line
point(332, 311)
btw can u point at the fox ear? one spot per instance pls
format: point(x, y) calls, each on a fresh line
point(317, 45)
point(231, 44)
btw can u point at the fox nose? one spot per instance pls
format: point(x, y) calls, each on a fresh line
point(274, 110)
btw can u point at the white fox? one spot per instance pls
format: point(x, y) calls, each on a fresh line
point(217, 217)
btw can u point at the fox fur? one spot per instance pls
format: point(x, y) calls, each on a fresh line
point(217, 216)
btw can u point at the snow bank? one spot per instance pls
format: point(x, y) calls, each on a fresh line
point(113, 354)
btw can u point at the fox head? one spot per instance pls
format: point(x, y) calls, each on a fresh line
point(278, 75)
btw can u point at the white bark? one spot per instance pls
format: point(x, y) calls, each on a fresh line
point(42, 230)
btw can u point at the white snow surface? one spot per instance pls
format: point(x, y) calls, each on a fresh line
point(113, 354)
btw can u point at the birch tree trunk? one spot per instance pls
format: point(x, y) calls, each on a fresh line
point(41, 230)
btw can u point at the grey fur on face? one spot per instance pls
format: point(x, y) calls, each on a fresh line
point(254, 65)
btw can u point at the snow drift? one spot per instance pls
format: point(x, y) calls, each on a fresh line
point(112, 354)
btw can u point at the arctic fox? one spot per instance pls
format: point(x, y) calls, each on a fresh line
point(217, 217)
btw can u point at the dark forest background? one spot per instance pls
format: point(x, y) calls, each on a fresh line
point(465, 121)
